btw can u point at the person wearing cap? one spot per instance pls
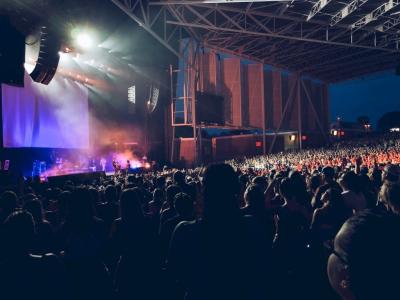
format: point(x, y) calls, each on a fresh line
point(328, 182)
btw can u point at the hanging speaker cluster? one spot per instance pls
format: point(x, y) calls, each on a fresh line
point(49, 57)
point(152, 99)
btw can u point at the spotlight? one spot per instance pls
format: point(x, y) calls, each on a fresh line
point(84, 40)
point(292, 137)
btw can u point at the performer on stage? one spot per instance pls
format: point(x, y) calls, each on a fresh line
point(116, 166)
point(128, 166)
point(103, 163)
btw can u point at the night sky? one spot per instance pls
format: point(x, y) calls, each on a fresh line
point(370, 96)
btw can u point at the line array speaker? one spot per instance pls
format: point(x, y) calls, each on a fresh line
point(49, 57)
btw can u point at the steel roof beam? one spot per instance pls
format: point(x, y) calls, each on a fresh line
point(127, 9)
point(389, 24)
point(280, 36)
point(375, 14)
point(318, 6)
point(347, 10)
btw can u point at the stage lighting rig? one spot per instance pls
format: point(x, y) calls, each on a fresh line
point(84, 40)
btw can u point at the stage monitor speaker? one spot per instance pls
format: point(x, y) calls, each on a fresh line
point(47, 63)
point(12, 54)
point(209, 108)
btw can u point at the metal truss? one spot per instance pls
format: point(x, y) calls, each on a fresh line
point(375, 14)
point(389, 24)
point(318, 6)
point(312, 37)
point(346, 11)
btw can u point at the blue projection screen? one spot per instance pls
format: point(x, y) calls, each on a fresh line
point(52, 116)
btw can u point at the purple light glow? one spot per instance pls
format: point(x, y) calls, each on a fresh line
point(52, 116)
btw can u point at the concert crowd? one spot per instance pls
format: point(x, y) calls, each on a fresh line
point(313, 224)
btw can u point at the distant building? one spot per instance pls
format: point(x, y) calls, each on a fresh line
point(344, 130)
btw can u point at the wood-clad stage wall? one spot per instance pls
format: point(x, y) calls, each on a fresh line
point(253, 93)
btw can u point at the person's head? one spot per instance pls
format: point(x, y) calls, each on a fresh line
point(19, 230)
point(376, 177)
point(328, 174)
point(389, 195)
point(34, 207)
point(95, 195)
point(131, 179)
point(286, 189)
point(160, 182)
point(297, 180)
point(172, 190)
point(315, 182)
point(349, 181)
point(183, 204)
point(158, 195)
point(110, 194)
point(365, 262)
point(27, 197)
point(391, 173)
point(333, 198)
point(220, 189)
point(131, 205)
point(8, 202)
point(254, 196)
point(62, 202)
point(80, 206)
point(243, 180)
point(261, 181)
point(179, 177)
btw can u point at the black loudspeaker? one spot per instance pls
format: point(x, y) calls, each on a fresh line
point(12, 54)
point(209, 108)
point(47, 63)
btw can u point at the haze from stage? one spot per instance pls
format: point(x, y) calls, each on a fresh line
point(52, 116)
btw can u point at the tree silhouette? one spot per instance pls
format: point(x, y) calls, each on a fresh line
point(389, 120)
point(363, 120)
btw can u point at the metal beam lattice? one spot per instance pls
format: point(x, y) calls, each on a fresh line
point(375, 14)
point(346, 11)
point(318, 6)
point(284, 34)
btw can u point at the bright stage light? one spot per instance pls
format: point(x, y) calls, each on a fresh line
point(84, 40)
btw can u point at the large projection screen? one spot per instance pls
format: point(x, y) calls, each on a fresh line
point(46, 116)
